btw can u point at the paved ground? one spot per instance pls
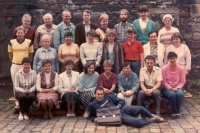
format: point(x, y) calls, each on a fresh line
point(189, 123)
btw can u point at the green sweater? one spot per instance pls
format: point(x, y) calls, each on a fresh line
point(143, 37)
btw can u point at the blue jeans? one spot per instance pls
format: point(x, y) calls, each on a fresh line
point(135, 66)
point(176, 99)
point(129, 114)
point(111, 95)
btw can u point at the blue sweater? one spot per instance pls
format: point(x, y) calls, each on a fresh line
point(143, 37)
point(86, 81)
point(105, 103)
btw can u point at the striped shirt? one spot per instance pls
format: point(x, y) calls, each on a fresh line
point(121, 31)
point(25, 82)
point(107, 83)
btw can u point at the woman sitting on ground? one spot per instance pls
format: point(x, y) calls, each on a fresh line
point(25, 80)
point(108, 80)
point(47, 84)
point(87, 83)
point(68, 86)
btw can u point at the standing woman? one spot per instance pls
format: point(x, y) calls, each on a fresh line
point(165, 34)
point(101, 32)
point(87, 83)
point(69, 51)
point(47, 84)
point(47, 28)
point(113, 51)
point(91, 51)
point(68, 86)
point(182, 51)
point(108, 80)
point(25, 80)
point(133, 51)
point(45, 52)
point(155, 49)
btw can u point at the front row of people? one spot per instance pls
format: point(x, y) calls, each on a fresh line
point(73, 87)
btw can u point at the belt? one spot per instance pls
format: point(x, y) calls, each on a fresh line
point(16, 63)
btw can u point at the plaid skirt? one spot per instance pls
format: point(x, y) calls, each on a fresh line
point(86, 97)
point(46, 96)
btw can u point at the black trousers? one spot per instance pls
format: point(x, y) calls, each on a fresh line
point(25, 101)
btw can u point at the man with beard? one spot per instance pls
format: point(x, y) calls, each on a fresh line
point(143, 25)
point(63, 27)
point(122, 27)
point(83, 27)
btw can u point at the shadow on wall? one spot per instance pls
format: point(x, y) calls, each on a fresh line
point(186, 1)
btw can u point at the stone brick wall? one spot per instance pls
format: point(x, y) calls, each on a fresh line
point(186, 13)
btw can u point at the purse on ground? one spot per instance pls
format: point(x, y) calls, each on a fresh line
point(109, 116)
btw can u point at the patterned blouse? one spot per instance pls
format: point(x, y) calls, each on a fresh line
point(153, 52)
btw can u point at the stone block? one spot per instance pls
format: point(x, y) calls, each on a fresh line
point(184, 10)
point(195, 10)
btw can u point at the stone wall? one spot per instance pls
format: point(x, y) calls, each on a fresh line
point(186, 13)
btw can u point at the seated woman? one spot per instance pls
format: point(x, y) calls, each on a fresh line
point(45, 52)
point(108, 80)
point(25, 80)
point(112, 51)
point(87, 82)
point(46, 85)
point(173, 81)
point(128, 84)
point(68, 86)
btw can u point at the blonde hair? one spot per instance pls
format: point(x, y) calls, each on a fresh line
point(103, 16)
point(46, 37)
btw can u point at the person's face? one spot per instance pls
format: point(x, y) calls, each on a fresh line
point(172, 60)
point(46, 42)
point(168, 22)
point(107, 68)
point(90, 38)
point(48, 20)
point(68, 68)
point(26, 21)
point(20, 34)
point(149, 63)
point(104, 23)
point(90, 69)
point(68, 39)
point(66, 17)
point(47, 68)
point(111, 37)
point(153, 38)
point(130, 36)
point(176, 41)
point(99, 95)
point(86, 16)
point(127, 69)
point(143, 14)
point(123, 16)
point(26, 67)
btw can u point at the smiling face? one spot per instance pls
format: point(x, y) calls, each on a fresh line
point(47, 67)
point(99, 95)
point(20, 34)
point(176, 41)
point(26, 21)
point(90, 38)
point(153, 38)
point(172, 61)
point(111, 37)
point(127, 69)
point(47, 20)
point(26, 67)
point(66, 16)
point(149, 63)
point(91, 69)
point(104, 23)
point(143, 15)
point(68, 39)
point(168, 22)
point(107, 68)
point(130, 36)
point(46, 42)
point(69, 68)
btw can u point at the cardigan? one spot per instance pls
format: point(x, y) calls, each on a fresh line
point(160, 52)
point(143, 37)
point(65, 84)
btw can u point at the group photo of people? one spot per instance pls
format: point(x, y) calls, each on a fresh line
point(89, 67)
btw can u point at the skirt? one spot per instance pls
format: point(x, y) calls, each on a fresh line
point(70, 96)
point(86, 98)
point(47, 96)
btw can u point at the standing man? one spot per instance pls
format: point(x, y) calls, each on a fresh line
point(63, 27)
point(150, 81)
point(18, 49)
point(29, 30)
point(83, 27)
point(123, 26)
point(143, 25)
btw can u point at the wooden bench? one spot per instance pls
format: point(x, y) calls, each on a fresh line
point(165, 107)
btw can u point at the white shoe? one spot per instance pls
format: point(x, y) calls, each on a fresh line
point(26, 117)
point(20, 117)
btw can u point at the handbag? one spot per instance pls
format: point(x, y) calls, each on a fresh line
point(109, 116)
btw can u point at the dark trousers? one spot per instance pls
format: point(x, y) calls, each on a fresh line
point(25, 101)
point(129, 114)
point(135, 66)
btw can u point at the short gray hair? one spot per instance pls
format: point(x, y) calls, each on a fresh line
point(48, 15)
point(46, 36)
point(26, 16)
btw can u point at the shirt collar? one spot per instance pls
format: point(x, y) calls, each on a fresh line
point(21, 71)
point(66, 27)
point(43, 49)
point(154, 68)
point(84, 22)
point(20, 42)
point(125, 23)
point(144, 21)
point(125, 77)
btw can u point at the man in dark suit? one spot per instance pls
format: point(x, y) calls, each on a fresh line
point(83, 27)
